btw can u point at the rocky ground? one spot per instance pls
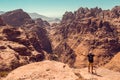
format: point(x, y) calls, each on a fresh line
point(45, 70)
point(114, 63)
point(99, 74)
point(52, 70)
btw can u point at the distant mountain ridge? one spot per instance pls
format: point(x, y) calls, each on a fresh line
point(2, 12)
point(49, 19)
point(36, 15)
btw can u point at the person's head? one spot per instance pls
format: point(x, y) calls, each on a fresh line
point(90, 51)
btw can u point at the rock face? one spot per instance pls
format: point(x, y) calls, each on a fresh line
point(25, 42)
point(65, 54)
point(41, 22)
point(19, 18)
point(1, 22)
point(88, 30)
point(19, 46)
point(16, 17)
point(67, 17)
point(114, 64)
point(8, 59)
point(44, 70)
point(115, 12)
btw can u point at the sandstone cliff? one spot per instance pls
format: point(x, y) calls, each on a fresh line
point(17, 48)
point(16, 17)
point(88, 29)
point(114, 64)
point(22, 41)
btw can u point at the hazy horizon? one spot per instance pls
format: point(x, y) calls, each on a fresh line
point(55, 8)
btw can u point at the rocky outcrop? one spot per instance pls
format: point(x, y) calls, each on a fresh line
point(65, 54)
point(85, 12)
point(116, 23)
point(44, 70)
point(93, 12)
point(19, 47)
point(24, 39)
point(41, 34)
point(67, 17)
point(19, 18)
point(25, 45)
point(114, 64)
point(1, 22)
point(16, 17)
point(99, 35)
point(8, 59)
point(115, 12)
point(85, 30)
point(42, 23)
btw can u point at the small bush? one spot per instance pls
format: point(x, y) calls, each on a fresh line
point(4, 73)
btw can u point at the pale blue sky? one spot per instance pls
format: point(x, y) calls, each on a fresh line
point(55, 8)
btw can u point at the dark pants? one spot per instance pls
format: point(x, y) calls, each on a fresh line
point(90, 67)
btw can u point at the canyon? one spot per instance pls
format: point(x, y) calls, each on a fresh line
point(24, 41)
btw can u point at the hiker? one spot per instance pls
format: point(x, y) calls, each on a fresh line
point(90, 60)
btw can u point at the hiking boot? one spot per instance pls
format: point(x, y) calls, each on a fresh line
point(92, 72)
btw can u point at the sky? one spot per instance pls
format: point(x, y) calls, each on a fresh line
point(55, 8)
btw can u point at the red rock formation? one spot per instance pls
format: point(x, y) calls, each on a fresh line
point(23, 39)
point(37, 27)
point(19, 46)
point(114, 64)
point(42, 23)
point(86, 28)
point(1, 22)
point(16, 17)
point(67, 17)
point(115, 12)
point(65, 54)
